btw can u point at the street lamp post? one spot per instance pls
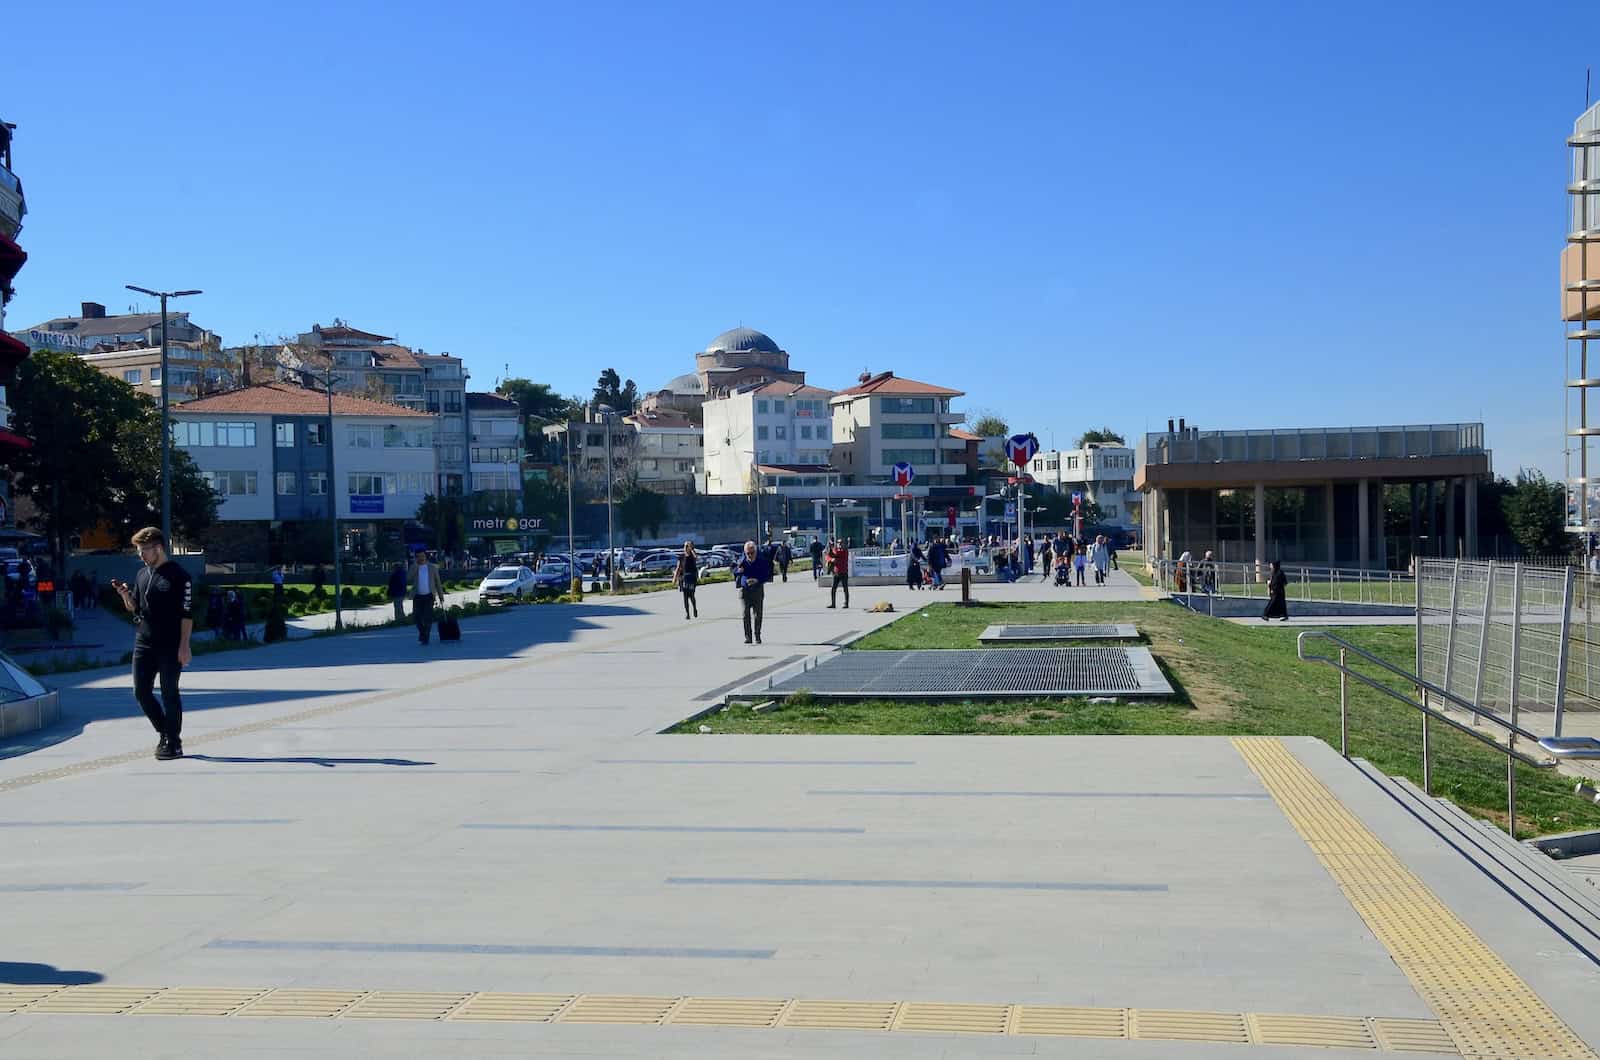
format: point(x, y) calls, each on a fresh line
point(606, 413)
point(574, 575)
point(166, 421)
point(333, 512)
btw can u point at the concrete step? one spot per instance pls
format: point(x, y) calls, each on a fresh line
point(1527, 875)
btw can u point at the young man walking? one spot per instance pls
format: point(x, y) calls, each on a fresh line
point(816, 559)
point(425, 592)
point(839, 564)
point(162, 601)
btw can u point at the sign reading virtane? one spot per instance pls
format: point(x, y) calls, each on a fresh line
point(510, 524)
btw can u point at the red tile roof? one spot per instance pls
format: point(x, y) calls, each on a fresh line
point(889, 383)
point(390, 356)
point(283, 399)
point(965, 436)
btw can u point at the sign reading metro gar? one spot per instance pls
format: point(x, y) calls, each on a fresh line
point(512, 523)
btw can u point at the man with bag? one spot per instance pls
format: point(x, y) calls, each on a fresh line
point(425, 593)
point(751, 576)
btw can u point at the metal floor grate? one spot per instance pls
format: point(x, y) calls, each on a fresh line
point(1062, 631)
point(984, 672)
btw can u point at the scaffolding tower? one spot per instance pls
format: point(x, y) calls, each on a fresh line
point(1580, 311)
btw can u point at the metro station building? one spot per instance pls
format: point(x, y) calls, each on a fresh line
point(1313, 495)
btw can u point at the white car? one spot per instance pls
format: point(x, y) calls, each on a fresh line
point(506, 583)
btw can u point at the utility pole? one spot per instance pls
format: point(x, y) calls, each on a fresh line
point(606, 412)
point(574, 576)
point(166, 419)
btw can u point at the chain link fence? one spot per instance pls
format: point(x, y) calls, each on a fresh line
point(1518, 640)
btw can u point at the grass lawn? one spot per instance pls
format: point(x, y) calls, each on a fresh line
point(1231, 680)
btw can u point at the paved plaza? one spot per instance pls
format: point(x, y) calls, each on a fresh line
point(488, 848)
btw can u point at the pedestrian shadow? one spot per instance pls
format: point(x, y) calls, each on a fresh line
point(25, 973)
point(312, 760)
point(85, 704)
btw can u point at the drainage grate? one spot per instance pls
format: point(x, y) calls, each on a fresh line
point(1061, 631)
point(989, 672)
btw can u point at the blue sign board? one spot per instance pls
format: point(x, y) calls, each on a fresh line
point(366, 505)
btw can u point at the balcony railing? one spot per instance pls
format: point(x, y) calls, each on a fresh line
point(1312, 443)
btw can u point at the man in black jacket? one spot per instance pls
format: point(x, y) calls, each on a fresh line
point(162, 599)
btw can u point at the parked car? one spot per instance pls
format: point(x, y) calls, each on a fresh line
point(656, 563)
point(553, 574)
point(713, 560)
point(504, 583)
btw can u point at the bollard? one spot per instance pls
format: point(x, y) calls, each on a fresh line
point(966, 586)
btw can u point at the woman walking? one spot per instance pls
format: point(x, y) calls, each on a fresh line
point(1048, 557)
point(687, 577)
point(914, 568)
point(1277, 606)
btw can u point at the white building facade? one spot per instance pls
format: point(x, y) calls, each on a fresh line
point(782, 425)
point(495, 453)
point(1102, 473)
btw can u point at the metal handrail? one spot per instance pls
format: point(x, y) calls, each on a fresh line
point(1512, 755)
point(1214, 577)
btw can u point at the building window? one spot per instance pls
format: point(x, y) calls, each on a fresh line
point(231, 483)
point(317, 483)
point(132, 375)
point(363, 436)
point(287, 486)
point(905, 406)
point(494, 482)
point(314, 433)
point(155, 373)
point(433, 401)
point(805, 430)
point(761, 407)
point(908, 456)
point(761, 434)
point(197, 434)
point(452, 401)
point(364, 484)
point(907, 430)
point(777, 406)
point(283, 436)
point(781, 433)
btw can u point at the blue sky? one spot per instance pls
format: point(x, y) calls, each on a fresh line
point(1247, 214)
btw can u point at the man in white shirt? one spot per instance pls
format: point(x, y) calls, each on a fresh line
point(425, 591)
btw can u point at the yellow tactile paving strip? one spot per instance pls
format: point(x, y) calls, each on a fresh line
point(1243, 1028)
point(1483, 1006)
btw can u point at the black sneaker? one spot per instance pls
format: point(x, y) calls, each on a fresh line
point(161, 744)
point(169, 750)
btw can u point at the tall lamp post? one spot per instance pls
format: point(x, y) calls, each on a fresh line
point(166, 421)
point(606, 414)
point(574, 575)
point(333, 511)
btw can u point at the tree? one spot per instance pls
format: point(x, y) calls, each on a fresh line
point(611, 390)
point(136, 498)
point(1054, 508)
point(443, 516)
point(988, 425)
point(643, 509)
point(96, 455)
point(1104, 436)
point(536, 400)
point(1535, 513)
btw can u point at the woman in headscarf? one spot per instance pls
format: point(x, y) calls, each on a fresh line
point(914, 567)
point(1277, 606)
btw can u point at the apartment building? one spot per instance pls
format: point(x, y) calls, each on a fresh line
point(1102, 473)
point(13, 351)
point(669, 452)
point(444, 380)
point(783, 428)
point(265, 450)
point(885, 419)
point(496, 444)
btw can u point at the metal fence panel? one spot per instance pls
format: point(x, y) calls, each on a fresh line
point(1477, 618)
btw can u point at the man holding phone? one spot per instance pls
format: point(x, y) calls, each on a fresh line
point(161, 599)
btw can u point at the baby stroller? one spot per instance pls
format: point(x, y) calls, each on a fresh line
point(1063, 574)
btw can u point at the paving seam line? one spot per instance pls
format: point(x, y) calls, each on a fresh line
point(1485, 1008)
point(1381, 1034)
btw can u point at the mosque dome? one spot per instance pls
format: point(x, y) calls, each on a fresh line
point(743, 340)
